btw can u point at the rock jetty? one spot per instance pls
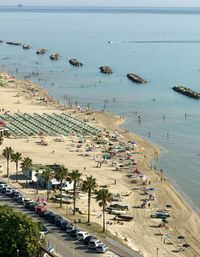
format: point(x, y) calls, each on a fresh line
point(136, 78)
point(41, 51)
point(25, 47)
point(186, 91)
point(106, 69)
point(75, 62)
point(55, 56)
point(13, 43)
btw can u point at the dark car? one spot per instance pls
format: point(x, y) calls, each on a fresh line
point(32, 206)
point(118, 207)
point(63, 224)
point(47, 214)
point(87, 239)
point(74, 232)
point(58, 220)
point(52, 218)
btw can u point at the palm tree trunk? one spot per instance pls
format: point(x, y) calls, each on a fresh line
point(61, 182)
point(7, 167)
point(74, 211)
point(47, 187)
point(37, 187)
point(89, 200)
point(104, 220)
point(16, 172)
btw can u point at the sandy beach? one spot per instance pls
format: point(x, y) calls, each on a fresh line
point(143, 234)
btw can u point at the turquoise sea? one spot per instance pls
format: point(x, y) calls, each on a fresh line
point(160, 44)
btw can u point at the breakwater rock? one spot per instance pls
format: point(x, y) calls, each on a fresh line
point(106, 69)
point(136, 78)
point(13, 43)
point(186, 91)
point(25, 47)
point(1, 41)
point(75, 62)
point(41, 51)
point(55, 56)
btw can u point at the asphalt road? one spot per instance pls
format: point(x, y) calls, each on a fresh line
point(62, 243)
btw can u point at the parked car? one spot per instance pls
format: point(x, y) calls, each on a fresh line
point(14, 192)
point(47, 214)
point(70, 227)
point(101, 248)
point(52, 218)
point(2, 186)
point(58, 220)
point(63, 224)
point(74, 232)
point(57, 199)
point(43, 229)
point(39, 209)
point(27, 203)
point(8, 192)
point(87, 239)
point(32, 206)
point(3, 190)
point(160, 215)
point(82, 235)
point(93, 243)
point(118, 207)
point(20, 199)
point(17, 196)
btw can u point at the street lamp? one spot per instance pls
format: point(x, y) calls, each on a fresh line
point(17, 252)
point(157, 249)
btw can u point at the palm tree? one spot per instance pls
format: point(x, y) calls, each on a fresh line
point(61, 174)
point(16, 157)
point(7, 152)
point(88, 186)
point(1, 140)
point(75, 176)
point(26, 164)
point(37, 175)
point(103, 196)
point(47, 175)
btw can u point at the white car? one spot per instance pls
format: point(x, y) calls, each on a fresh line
point(2, 186)
point(102, 248)
point(8, 192)
point(82, 235)
point(94, 243)
point(70, 227)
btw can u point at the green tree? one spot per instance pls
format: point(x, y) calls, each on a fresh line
point(47, 174)
point(103, 197)
point(16, 157)
point(18, 232)
point(75, 177)
point(26, 164)
point(89, 185)
point(61, 174)
point(7, 152)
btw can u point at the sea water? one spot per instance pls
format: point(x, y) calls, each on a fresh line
point(161, 45)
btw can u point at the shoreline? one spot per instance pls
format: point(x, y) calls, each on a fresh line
point(116, 124)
